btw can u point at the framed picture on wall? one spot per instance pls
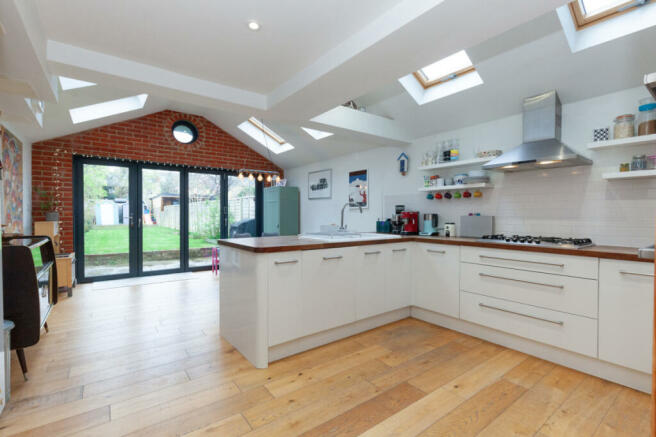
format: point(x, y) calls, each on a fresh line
point(359, 188)
point(320, 184)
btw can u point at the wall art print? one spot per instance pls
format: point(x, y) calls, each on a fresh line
point(12, 182)
point(359, 188)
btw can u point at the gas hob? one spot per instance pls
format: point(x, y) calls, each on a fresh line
point(529, 240)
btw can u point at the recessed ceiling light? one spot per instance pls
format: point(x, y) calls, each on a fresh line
point(253, 25)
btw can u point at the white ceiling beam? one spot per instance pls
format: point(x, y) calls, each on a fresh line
point(23, 49)
point(98, 67)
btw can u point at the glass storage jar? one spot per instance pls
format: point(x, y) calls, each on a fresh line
point(624, 126)
point(647, 116)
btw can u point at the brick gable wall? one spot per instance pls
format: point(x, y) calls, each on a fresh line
point(146, 138)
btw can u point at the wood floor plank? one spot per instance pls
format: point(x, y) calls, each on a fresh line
point(418, 416)
point(276, 408)
point(529, 372)
point(317, 413)
point(418, 365)
point(628, 416)
point(145, 422)
point(304, 377)
point(531, 411)
point(470, 417)
point(471, 382)
point(441, 374)
point(66, 426)
point(583, 411)
point(291, 365)
point(184, 390)
point(202, 417)
point(233, 426)
point(359, 419)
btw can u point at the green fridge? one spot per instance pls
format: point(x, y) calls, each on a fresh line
point(281, 215)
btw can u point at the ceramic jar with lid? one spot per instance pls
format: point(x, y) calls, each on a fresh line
point(647, 116)
point(624, 126)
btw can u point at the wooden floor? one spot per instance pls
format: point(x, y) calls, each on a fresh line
point(147, 360)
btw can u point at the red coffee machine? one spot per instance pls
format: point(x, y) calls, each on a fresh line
point(410, 220)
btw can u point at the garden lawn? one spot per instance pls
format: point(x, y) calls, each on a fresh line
point(114, 239)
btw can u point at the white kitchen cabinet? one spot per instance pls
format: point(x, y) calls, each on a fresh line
point(563, 330)
point(370, 281)
point(554, 292)
point(285, 291)
point(398, 274)
point(436, 277)
point(626, 296)
point(328, 298)
point(578, 266)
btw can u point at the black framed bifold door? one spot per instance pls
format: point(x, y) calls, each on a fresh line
point(104, 219)
point(135, 219)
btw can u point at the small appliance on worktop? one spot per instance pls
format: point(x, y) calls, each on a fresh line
point(430, 225)
point(529, 240)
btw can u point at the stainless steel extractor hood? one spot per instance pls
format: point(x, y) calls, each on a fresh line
point(650, 83)
point(541, 133)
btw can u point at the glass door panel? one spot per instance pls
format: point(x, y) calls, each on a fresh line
point(204, 217)
point(106, 220)
point(161, 219)
point(241, 207)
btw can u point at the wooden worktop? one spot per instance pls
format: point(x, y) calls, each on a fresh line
point(290, 243)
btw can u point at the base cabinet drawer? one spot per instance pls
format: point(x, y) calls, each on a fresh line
point(554, 292)
point(566, 331)
point(626, 303)
point(579, 266)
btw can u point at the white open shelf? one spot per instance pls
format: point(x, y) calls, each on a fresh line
point(458, 163)
point(642, 140)
point(636, 174)
point(458, 187)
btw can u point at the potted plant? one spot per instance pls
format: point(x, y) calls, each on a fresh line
point(47, 204)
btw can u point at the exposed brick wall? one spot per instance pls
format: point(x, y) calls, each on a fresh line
point(145, 138)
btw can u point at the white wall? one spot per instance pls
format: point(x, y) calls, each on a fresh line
point(565, 202)
point(27, 178)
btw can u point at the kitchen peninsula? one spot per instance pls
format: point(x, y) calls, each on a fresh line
point(283, 295)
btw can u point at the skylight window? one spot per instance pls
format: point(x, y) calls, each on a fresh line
point(445, 69)
point(589, 12)
point(316, 134)
point(265, 136)
point(107, 109)
point(68, 83)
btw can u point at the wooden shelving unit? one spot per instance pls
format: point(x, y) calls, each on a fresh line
point(458, 187)
point(458, 163)
point(636, 174)
point(642, 140)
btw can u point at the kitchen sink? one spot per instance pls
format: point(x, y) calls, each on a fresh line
point(338, 235)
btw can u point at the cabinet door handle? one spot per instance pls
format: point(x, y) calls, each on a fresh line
point(522, 261)
point(555, 322)
point(485, 275)
point(370, 253)
point(399, 250)
point(291, 261)
point(622, 272)
point(327, 258)
point(435, 251)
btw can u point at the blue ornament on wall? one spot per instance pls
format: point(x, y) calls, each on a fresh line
point(403, 163)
